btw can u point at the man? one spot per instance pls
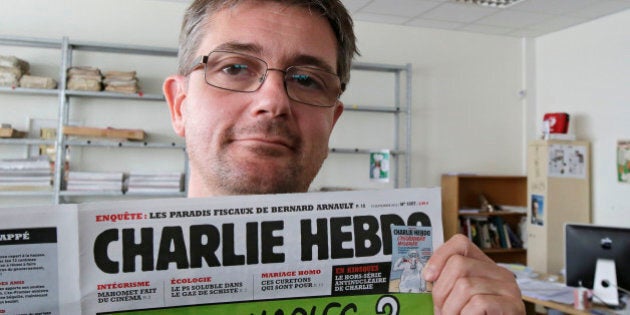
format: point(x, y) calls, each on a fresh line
point(257, 97)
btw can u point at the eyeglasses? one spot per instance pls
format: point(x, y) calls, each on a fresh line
point(239, 72)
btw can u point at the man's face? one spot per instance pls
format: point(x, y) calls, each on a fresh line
point(257, 142)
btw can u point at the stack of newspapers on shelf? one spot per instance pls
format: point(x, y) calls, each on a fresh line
point(154, 183)
point(26, 174)
point(14, 72)
point(121, 81)
point(84, 79)
point(94, 181)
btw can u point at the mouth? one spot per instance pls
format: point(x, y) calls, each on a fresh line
point(266, 142)
point(266, 146)
point(265, 138)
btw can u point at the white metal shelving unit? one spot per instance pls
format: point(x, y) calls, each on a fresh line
point(400, 149)
point(402, 107)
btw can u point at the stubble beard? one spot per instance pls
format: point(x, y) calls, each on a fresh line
point(225, 175)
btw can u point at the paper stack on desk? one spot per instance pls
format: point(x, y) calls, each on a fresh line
point(546, 290)
point(530, 284)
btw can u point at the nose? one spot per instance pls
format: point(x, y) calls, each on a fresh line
point(272, 98)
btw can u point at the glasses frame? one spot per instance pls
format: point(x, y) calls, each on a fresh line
point(203, 61)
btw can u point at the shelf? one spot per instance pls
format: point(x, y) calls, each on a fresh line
point(26, 193)
point(123, 144)
point(123, 49)
point(504, 250)
point(29, 91)
point(494, 214)
point(372, 109)
point(378, 67)
point(462, 192)
point(66, 193)
point(30, 42)
point(67, 47)
point(362, 151)
point(26, 141)
point(148, 194)
point(113, 95)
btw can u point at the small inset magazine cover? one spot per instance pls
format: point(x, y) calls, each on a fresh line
point(412, 246)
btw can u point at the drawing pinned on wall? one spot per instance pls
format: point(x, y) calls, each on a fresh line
point(379, 165)
point(567, 161)
point(623, 161)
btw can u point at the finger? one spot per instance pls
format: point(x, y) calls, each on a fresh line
point(490, 305)
point(460, 267)
point(473, 293)
point(457, 245)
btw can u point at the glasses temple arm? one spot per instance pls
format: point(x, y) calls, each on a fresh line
point(201, 60)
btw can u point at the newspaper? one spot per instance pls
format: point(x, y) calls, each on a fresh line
point(311, 253)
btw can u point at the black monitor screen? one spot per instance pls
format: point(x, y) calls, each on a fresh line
point(584, 244)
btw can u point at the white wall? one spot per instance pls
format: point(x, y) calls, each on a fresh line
point(585, 71)
point(467, 115)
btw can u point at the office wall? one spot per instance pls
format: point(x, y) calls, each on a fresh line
point(467, 113)
point(585, 71)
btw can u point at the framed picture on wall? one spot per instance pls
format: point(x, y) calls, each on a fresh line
point(379, 165)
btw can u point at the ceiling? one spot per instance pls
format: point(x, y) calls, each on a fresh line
point(529, 18)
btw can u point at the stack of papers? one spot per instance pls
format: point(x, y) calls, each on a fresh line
point(159, 183)
point(94, 181)
point(546, 290)
point(26, 174)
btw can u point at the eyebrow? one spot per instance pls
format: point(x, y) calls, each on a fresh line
point(299, 60)
point(240, 47)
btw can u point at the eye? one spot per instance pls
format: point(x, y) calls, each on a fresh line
point(228, 66)
point(307, 80)
point(235, 69)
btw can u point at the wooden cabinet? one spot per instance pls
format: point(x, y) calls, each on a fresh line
point(558, 190)
point(463, 191)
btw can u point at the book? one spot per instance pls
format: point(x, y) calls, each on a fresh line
point(482, 237)
point(498, 221)
point(494, 235)
point(515, 240)
point(507, 236)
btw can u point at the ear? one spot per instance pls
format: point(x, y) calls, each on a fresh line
point(337, 112)
point(174, 89)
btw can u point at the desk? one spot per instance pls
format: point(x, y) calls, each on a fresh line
point(533, 283)
point(530, 306)
point(531, 303)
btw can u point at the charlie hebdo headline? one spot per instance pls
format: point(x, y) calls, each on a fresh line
point(164, 253)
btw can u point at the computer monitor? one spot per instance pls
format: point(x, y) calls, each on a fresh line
point(586, 243)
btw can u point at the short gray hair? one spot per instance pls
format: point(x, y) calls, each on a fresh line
point(198, 13)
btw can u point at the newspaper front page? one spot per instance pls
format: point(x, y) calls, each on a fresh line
point(311, 253)
point(39, 261)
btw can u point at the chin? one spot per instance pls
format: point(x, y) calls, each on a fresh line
point(264, 178)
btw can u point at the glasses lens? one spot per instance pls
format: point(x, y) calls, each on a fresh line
point(244, 73)
point(234, 71)
point(312, 86)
